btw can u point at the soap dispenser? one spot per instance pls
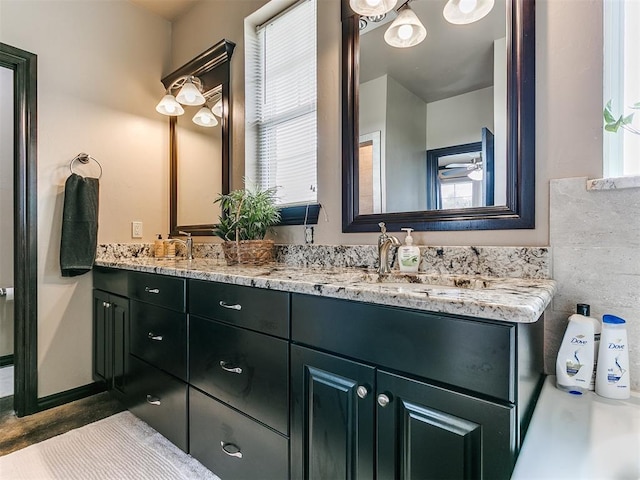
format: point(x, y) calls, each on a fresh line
point(408, 254)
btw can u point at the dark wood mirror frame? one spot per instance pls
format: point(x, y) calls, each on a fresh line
point(212, 68)
point(519, 211)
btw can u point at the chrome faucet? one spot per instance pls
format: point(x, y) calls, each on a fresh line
point(188, 244)
point(384, 243)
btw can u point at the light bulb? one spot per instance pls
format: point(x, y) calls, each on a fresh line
point(205, 118)
point(373, 3)
point(467, 6)
point(369, 8)
point(405, 32)
point(190, 95)
point(169, 106)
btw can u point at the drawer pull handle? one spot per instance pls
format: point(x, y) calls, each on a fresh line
point(383, 400)
point(152, 290)
point(151, 400)
point(362, 391)
point(231, 449)
point(231, 369)
point(236, 306)
point(153, 336)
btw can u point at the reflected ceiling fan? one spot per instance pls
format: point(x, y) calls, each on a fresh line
point(471, 169)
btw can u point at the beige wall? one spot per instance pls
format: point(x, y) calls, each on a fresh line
point(568, 108)
point(99, 66)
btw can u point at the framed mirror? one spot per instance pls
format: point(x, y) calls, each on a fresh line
point(463, 85)
point(199, 155)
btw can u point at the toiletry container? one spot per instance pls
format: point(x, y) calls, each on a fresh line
point(169, 248)
point(408, 254)
point(585, 310)
point(158, 247)
point(574, 364)
point(612, 376)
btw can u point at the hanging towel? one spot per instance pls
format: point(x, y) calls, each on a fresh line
point(79, 225)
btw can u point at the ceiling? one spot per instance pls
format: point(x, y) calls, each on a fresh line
point(452, 60)
point(167, 9)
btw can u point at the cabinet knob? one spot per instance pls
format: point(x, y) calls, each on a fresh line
point(106, 304)
point(155, 337)
point(362, 391)
point(152, 290)
point(383, 400)
point(151, 400)
point(231, 449)
point(230, 367)
point(235, 306)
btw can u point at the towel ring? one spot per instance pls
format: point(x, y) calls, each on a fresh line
point(84, 159)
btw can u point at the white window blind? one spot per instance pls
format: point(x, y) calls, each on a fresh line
point(285, 109)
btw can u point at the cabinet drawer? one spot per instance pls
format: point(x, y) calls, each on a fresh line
point(232, 445)
point(471, 354)
point(159, 336)
point(245, 369)
point(160, 400)
point(259, 309)
point(169, 292)
point(111, 280)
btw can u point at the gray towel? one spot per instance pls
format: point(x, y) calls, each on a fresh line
point(79, 225)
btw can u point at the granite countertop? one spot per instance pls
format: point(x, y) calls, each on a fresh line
point(506, 299)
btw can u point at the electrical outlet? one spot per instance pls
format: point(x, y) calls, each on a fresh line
point(308, 234)
point(136, 229)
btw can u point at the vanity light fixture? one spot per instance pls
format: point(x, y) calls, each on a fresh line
point(189, 94)
point(406, 30)
point(371, 8)
point(169, 106)
point(217, 108)
point(205, 117)
point(462, 12)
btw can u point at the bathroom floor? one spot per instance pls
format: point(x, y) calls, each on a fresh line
point(17, 433)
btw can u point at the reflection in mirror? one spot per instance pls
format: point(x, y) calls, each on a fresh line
point(461, 85)
point(198, 169)
point(439, 93)
point(199, 144)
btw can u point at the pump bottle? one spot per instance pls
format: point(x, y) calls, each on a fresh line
point(408, 254)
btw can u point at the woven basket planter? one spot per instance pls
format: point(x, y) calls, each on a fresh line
point(249, 252)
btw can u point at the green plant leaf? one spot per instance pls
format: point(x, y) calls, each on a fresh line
point(608, 116)
point(627, 120)
point(635, 106)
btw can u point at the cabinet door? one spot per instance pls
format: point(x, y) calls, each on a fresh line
point(427, 432)
point(332, 418)
point(101, 338)
point(120, 321)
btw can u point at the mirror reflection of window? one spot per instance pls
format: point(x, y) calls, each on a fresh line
point(370, 174)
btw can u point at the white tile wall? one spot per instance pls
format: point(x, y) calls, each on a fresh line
point(595, 244)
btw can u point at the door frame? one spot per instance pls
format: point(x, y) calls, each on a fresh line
point(24, 66)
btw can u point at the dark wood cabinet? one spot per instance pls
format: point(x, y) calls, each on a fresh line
point(429, 432)
point(257, 383)
point(332, 417)
point(409, 395)
point(110, 340)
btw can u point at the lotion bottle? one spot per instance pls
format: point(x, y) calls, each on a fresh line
point(612, 376)
point(585, 310)
point(574, 364)
point(158, 247)
point(408, 254)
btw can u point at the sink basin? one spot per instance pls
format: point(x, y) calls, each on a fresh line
point(456, 281)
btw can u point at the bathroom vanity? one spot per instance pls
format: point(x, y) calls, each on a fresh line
point(277, 372)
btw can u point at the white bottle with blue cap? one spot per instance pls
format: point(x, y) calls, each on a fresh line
point(612, 375)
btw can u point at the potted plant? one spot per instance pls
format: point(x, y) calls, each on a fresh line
point(247, 217)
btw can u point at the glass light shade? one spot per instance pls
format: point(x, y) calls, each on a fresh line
point(475, 174)
point(462, 12)
point(169, 106)
point(205, 118)
point(371, 8)
point(190, 95)
point(406, 30)
point(217, 108)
